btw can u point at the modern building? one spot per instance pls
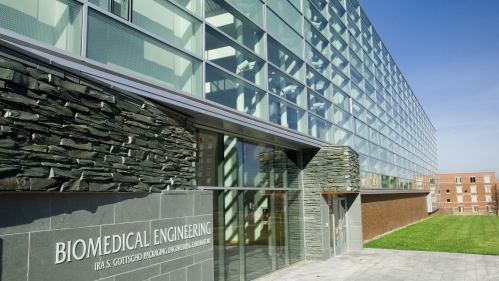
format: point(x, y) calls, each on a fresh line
point(468, 193)
point(290, 113)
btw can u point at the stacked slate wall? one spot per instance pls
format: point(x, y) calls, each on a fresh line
point(332, 169)
point(63, 133)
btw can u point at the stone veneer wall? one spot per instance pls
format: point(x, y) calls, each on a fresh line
point(62, 133)
point(382, 213)
point(330, 169)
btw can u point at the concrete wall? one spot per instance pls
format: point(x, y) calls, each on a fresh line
point(32, 224)
point(332, 169)
point(382, 213)
point(59, 132)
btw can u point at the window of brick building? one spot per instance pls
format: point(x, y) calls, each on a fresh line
point(459, 198)
point(448, 200)
point(474, 198)
point(475, 209)
point(460, 209)
point(458, 179)
point(447, 191)
point(487, 188)
point(486, 179)
point(473, 188)
point(488, 198)
point(489, 209)
point(472, 179)
point(459, 189)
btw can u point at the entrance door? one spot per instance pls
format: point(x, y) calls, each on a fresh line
point(338, 226)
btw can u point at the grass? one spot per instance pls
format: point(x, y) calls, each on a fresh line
point(454, 234)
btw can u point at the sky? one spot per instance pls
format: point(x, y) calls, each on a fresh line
point(448, 52)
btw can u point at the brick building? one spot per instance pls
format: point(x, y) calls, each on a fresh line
point(468, 193)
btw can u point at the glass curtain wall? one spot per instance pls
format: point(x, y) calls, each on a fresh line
point(257, 229)
point(314, 67)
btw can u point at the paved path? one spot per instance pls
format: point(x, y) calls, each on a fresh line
point(380, 264)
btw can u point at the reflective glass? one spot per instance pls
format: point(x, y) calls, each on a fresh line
point(286, 87)
point(57, 23)
point(360, 145)
point(169, 22)
point(288, 12)
point(316, 60)
point(227, 90)
point(319, 128)
point(143, 55)
point(342, 137)
point(318, 83)
point(285, 60)
point(284, 114)
point(224, 17)
point(284, 34)
point(320, 106)
point(339, 61)
point(343, 119)
point(225, 53)
point(252, 9)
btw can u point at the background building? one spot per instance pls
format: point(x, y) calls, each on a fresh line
point(282, 109)
point(468, 193)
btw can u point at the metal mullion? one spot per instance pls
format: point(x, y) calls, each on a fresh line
point(246, 188)
point(84, 32)
point(251, 20)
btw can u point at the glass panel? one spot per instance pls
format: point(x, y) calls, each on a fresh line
point(342, 137)
point(319, 128)
point(339, 61)
point(340, 80)
point(315, 38)
point(209, 146)
point(369, 77)
point(143, 55)
point(57, 23)
point(373, 136)
point(224, 89)
point(256, 230)
point(352, 27)
point(287, 12)
point(252, 9)
point(316, 60)
point(320, 106)
point(341, 99)
point(337, 27)
point(355, 62)
point(104, 4)
point(225, 53)
point(356, 78)
point(356, 48)
point(360, 145)
point(284, 114)
point(362, 129)
point(318, 83)
point(337, 8)
point(191, 5)
point(315, 17)
point(358, 111)
point(285, 87)
point(373, 151)
point(120, 8)
point(339, 43)
point(230, 21)
point(284, 34)
point(364, 166)
point(169, 22)
point(370, 91)
point(343, 119)
point(285, 60)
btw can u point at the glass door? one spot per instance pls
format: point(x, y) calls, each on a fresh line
point(338, 226)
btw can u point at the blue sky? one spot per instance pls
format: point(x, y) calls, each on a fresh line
point(448, 51)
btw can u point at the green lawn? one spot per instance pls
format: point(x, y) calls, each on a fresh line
point(455, 234)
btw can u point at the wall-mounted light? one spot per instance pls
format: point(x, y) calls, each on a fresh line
point(317, 105)
point(289, 90)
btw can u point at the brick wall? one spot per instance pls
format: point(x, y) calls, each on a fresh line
point(382, 213)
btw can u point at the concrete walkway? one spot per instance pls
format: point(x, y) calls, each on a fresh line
point(380, 264)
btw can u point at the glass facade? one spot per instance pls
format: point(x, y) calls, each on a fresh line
point(312, 67)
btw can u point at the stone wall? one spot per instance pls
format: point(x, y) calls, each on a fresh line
point(330, 169)
point(62, 133)
point(382, 213)
point(46, 236)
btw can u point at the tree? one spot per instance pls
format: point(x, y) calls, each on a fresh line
point(495, 199)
